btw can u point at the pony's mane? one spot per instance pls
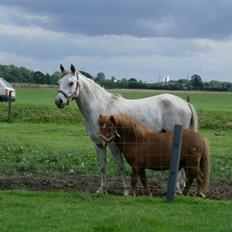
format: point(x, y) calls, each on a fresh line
point(135, 128)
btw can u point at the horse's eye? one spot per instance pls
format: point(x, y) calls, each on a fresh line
point(71, 84)
point(109, 129)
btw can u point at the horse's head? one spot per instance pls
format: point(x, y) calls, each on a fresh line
point(108, 130)
point(68, 86)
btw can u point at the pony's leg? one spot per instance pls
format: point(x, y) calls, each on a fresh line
point(189, 181)
point(144, 181)
point(120, 165)
point(101, 154)
point(134, 177)
point(200, 184)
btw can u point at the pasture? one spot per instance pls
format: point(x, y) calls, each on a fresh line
point(74, 211)
point(45, 141)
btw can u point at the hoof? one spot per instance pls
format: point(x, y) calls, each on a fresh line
point(201, 195)
point(148, 193)
point(101, 191)
point(133, 194)
point(185, 193)
point(126, 192)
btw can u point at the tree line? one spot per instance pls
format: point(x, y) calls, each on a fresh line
point(14, 74)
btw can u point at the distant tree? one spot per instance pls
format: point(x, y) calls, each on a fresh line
point(25, 75)
point(100, 77)
point(132, 80)
point(113, 78)
point(38, 77)
point(54, 78)
point(132, 83)
point(196, 82)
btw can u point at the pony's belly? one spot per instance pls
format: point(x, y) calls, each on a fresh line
point(149, 161)
point(159, 164)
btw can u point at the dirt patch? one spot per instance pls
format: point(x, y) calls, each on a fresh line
point(91, 184)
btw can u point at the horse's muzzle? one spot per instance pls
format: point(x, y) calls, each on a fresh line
point(60, 103)
point(101, 143)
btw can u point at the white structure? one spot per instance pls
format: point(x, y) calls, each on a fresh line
point(165, 79)
point(5, 89)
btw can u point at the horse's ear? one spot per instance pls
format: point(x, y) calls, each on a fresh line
point(73, 70)
point(112, 119)
point(100, 115)
point(62, 68)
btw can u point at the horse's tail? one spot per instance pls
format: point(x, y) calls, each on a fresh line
point(205, 165)
point(194, 118)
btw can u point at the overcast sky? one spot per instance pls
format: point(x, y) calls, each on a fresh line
point(144, 39)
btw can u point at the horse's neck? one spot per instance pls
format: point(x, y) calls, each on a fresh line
point(92, 98)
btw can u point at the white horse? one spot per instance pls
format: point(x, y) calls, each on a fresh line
point(160, 112)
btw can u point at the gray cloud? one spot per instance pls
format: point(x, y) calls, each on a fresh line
point(42, 44)
point(142, 39)
point(179, 18)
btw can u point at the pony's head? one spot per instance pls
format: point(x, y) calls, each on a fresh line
point(68, 86)
point(108, 130)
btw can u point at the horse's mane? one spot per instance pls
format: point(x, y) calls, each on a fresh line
point(135, 128)
point(97, 86)
point(91, 83)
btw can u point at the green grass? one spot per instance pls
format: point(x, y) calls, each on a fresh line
point(55, 149)
point(43, 140)
point(46, 149)
point(36, 96)
point(37, 105)
point(36, 211)
point(55, 140)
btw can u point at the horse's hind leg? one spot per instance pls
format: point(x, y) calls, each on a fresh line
point(120, 165)
point(144, 181)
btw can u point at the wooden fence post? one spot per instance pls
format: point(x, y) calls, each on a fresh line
point(9, 107)
point(174, 162)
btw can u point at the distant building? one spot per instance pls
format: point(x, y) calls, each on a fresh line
point(165, 79)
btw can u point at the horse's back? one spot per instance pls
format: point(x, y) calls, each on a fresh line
point(159, 112)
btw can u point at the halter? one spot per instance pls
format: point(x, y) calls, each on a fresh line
point(111, 138)
point(73, 95)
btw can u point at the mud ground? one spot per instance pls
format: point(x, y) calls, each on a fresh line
point(91, 184)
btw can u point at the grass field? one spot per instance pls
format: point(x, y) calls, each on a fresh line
point(36, 211)
point(37, 105)
point(43, 140)
point(48, 148)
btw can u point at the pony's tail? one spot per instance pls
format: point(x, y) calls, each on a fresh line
point(194, 118)
point(205, 166)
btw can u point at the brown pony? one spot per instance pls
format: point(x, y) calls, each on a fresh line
point(144, 149)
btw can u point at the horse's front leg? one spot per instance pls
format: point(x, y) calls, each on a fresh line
point(101, 154)
point(120, 165)
point(143, 178)
point(134, 177)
